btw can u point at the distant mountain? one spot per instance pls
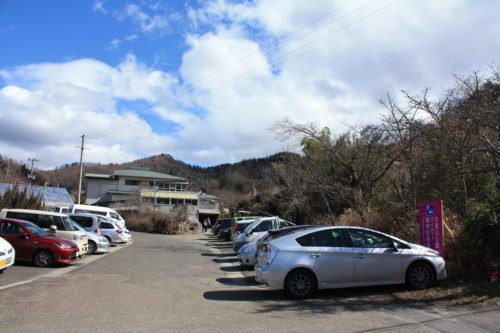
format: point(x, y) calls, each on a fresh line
point(231, 182)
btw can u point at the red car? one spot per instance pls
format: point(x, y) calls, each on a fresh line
point(34, 244)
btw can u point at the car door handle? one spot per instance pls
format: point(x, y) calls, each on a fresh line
point(316, 255)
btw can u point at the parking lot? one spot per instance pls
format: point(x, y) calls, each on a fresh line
point(192, 283)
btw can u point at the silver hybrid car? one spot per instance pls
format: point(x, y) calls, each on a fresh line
point(341, 256)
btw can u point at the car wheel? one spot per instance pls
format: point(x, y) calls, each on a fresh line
point(420, 276)
point(300, 284)
point(43, 258)
point(92, 248)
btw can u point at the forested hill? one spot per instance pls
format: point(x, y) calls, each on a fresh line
point(232, 182)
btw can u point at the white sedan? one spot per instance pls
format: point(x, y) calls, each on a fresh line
point(7, 254)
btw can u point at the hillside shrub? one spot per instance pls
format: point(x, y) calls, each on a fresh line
point(176, 222)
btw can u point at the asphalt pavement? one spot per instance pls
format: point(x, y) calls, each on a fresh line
point(192, 283)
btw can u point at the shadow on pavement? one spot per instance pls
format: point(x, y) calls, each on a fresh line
point(243, 281)
point(218, 255)
point(225, 260)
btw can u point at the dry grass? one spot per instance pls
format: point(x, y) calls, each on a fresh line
point(178, 222)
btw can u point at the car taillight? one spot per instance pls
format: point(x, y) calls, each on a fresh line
point(119, 231)
point(97, 231)
point(271, 254)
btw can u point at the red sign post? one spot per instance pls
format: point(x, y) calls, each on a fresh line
point(431, 225)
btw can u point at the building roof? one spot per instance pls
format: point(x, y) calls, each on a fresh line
point(97, 175)
point(137, 173)
point(51, 196)
point(146, 173)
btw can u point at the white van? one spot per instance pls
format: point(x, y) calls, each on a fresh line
point(46, 220)
point(110, 213)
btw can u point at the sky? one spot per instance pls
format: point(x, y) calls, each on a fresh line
point(206, 81)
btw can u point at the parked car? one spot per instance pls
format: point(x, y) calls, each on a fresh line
point(257, 228)
point(225, 234)
point(113, 232)
point(340, 256)
point(90, 222)
point(221, 224)
point(110, 213)
point(235, 220)
point(7, 254)
point(33, 244)
point(97, 243)
point(59, 223)
point(247, 254)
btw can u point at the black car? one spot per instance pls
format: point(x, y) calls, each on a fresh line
point(221, 224)
point(225, 234)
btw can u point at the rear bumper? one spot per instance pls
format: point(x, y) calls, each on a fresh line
point(266, 276)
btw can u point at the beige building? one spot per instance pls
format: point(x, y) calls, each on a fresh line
point(141, 188)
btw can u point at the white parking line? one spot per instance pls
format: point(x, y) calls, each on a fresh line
point(87, 259)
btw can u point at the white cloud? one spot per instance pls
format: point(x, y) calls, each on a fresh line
point(99, 7)
point(248, 65)
point(157, 23)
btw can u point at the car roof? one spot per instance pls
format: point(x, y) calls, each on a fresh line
point(33, 211)
point(326, 227)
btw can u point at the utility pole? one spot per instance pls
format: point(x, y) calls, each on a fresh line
point(81, 168)
point(33, 160)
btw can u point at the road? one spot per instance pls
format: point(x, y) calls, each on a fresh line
point(189, 284)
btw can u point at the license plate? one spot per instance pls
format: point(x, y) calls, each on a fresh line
point(3, 262)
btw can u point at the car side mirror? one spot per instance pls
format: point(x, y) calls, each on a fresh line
point(23, 235)
point(393, 246)
point(52, 230)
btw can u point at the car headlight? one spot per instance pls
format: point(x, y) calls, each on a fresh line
point(104, 240)
point(78, 237)
point(10, 251)
point(2, 253)
point(249, 249)
point(65, 246)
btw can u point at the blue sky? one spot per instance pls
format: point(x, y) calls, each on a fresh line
point(205, 81)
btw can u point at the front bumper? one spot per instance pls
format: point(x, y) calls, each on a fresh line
point(246, 259)
point(102, 247)
point(67, 256)
point(7, 260)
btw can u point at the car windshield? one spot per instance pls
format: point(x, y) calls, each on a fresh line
point(251, 225)
point(35, 230)
point(79, 227)
point(68, 224)
point(114, 216)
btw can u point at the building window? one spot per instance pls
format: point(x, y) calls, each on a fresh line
point(132, 182)
point(163, 201)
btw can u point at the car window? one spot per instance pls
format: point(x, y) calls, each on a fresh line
point(45, 221)
point(105, 225)
point(22, 216)
point(264, 226)
point(84, 221)
point(10, 228)
point(367, 239)
point(35, 230)
point(324, 238)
